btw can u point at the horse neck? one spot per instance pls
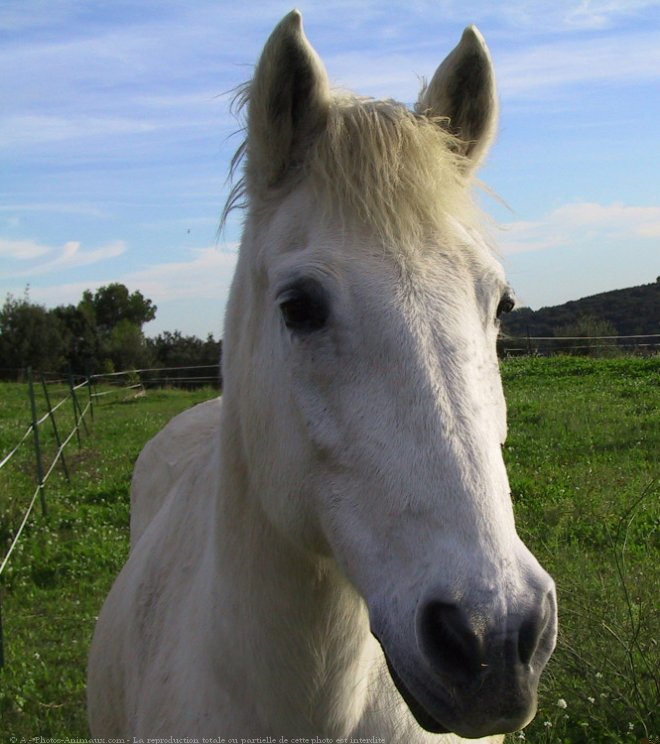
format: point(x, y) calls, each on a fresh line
point(305, 646)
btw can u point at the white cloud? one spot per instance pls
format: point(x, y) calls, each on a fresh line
point(533, 70)
point(598, 14)
point(19, 130)
point(22, 250)
point(56, 208)
point(69, 256)
point(206, 275)
point(529, 68)
point(575, 224)
point(538, 17)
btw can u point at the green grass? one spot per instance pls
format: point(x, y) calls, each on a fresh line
point(63, 566)
point(582, 457)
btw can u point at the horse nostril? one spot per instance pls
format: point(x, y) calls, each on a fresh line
point(447, 640)
point(527, 640)
point(532, 631)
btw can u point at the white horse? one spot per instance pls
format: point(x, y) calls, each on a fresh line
point(331, 552)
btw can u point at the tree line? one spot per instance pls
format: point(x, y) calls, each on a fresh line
point(102, 333)
point(621, 311)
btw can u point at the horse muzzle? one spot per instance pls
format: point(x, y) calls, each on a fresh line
point(469, 672)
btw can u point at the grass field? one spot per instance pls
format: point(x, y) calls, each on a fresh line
point(582, 454)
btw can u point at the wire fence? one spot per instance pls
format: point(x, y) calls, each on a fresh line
point(648, 343)
point(48, 395)
point(204, 375)
point(45, 469)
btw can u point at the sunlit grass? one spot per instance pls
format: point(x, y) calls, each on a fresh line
point(63, 566)
point(582, 455)
point(584, 437)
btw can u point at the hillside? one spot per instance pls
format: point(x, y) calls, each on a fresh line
point(630, 311)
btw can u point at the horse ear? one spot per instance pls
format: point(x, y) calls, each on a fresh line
point(463, 90)
point(289, 99)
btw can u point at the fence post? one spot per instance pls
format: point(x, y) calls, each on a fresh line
point(76, 422)
point(51, 416)
point(37, 445)
point(91, 397)
point(77, 412)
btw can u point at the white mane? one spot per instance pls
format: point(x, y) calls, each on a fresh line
point(379, 164)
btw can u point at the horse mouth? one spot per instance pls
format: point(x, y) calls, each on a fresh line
point(419, 712)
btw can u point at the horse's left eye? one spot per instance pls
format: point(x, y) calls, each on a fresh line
point(304, 307)
point(507, 303)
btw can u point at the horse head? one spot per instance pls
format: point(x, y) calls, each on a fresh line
point(361, 374)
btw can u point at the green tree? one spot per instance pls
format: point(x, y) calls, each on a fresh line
point(117, 316)
point(30, 336)
point(81, 340)
point(126, 347)
point(114, 303)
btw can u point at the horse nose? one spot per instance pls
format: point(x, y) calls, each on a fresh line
point(461, 644)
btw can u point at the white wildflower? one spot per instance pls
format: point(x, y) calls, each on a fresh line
point(561, 703)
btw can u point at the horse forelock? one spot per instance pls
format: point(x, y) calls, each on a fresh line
point(375, 163)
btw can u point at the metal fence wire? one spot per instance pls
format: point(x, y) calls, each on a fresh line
point(647, 343)
point(43, 472)
point(82, 397)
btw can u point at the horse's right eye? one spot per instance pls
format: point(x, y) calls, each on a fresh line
point(304, 307)
point(506, 305)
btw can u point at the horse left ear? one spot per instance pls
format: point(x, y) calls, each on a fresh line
point(289, 99)
point(463, 90)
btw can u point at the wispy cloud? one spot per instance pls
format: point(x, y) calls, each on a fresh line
point(22, 250)
point(204, 275)
point(69, 256)
point(538, 69)
point(54, 207)
point(575, 224)
point(529, 67)
point(541, 17)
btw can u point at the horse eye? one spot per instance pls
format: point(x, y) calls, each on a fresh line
point(304, 307)
point(507, 303)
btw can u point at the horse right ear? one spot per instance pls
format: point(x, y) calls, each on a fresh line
point(463, 90)
point(289, 98)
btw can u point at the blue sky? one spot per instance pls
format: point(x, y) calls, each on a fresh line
point(116, 135)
